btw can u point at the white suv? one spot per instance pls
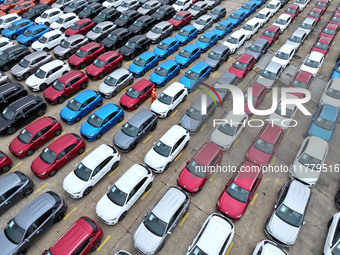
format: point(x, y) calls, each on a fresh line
point(266, 247)
point(166, 149)
point(7, 19)
point(273, 6)
point(64, 21)
point(332, 241)
point(251, 27)
point(283, 22)
point(284, 55)
point(263, 16)
point(312, 62)
point(122, 195)
point(112, 3)
point(235, 40)
point(91, 170)
point(49, 40)
point(49, 16)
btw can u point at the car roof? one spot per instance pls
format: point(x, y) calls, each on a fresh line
point(106, 110)
point(273, 67)
point(270, 133)
point(247, 175)
point(257, 88)
point(332, 26)
point(131, 178)
point(190, 47)
point(260, 42)
point(70, 14)
point(70, 76)
point(9, 181)
point(173, 88)
point(48, 66)
point(182, 13)
point(52, 10)
point(284, 16)
point(316, 147)
point(90, 46)
point(218, 7)
point(119, 73)
point(62, 142)
point(199, 66)
point(316, 9)
point(35, 27)
point(309, 21)
point(82, 21)
point(84, 95)
point(137, 38)
point(11, 86)
point(104, 23)
point(73, 38)
point(141, 84)
point(168, 64)
point(209, 34)
point(24, 100)
point(316, 56)
point(293, 6)
point(304, 76)
point(120, 30)
point(220, 48)
point(109, 54)
point(225, 22)
point(297, 196)
point(39, 124)
point(252, 21)
point(52, 32)
point(329, 112)
point(173, 134)
point(245, 58)
point(237, 34)
point(21, 21)
point(146, 55)
point(273, 28)
point(239, 11)
point(139, 118)
point(110, 9)
point(200, 3)
point(36, 54)
point(264, 11)
point(325, 39)
point(189, 27)
point(299, 32)
point(97, 156)
point(206, 153)
point(205, 17)
point(163, 24)
point(198, 103)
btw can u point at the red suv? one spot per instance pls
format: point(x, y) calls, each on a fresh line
point(80, 27)
point(57, 154)
point(34, 135)
point(302, 79)
point(243, 65)
point(271, 34)
point(265, 144)
point(331, 30)
point(323, 4)
point(292, 10)
point(259, 92)
point(86, 55)
point(81, 238)
point(181, 19)
point(64, 86)
point(5, 162)
point(323, 45)
point(239, 191)
point(197, 171)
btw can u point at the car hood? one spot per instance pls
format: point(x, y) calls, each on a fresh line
point(280, 61)
point(143, 11)
point(75, 60)
point(257, 156)
point(69, 9)
point(7, 247)
point(135, 68)
point(122, 140)
point(4, 123)
point(40, 20)
point(266, 82)
point(154, 159)
point(214, 16)
point(92, 35)
point(187, 82)
point(72, 184)
point(159, 107)
point(105, 89)
point(107, 42)
point(127, 101)
point(121, 9)
point(189, 181)
point(294, 44)
point(194, 12)
point(320, 132)
point(125, 51)
point(50, 93)
point(220, 138)
point(231, 206)
point(239, 73)
point(118, 22)
point(330, 100)
point(159, 51)
point(7, 32)
point(175, 22)
point(152, 35)
point(55, 25)
point(199, 27)
point(38, 166)
point(18, 70)
point(106, 209)
point(211, 62)
point(87, 130)
point(22, 38)
point(282, 231)
point(181, 60)
point(33, 81)
point(16, 146)
point(67, 113)
point(231, 46)
point(303, 173)
point(60, 50)
point(156, 78)
point(144, 240)
point(93, 70)
point(253, 53)
point(189, 123)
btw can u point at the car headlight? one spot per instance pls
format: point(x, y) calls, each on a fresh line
point(20, 152)
point(196, 189)
point(43, 173)
point(239, 216)
point(70, 118)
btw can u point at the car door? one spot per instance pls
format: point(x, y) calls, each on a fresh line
point(143, 94)
point(61, 159)
point(72, 86)
point(31, 235)
point(122, 82)
point(260, 97)
point(84, 247)
point(9, 197)
point(87, 107)
point(176, 149)
point(99, 172)
point(39, 138)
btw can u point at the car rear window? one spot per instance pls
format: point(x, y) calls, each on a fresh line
point(91, 223)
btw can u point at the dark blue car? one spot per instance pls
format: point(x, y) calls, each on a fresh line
point(223, 28)
point(237, 17)
point(186, 34)
point(188, 55)
point(165, 73)
point(195, 75)
point(17, 28)
point(32, 34)
point(207, 40)
point(166, 47)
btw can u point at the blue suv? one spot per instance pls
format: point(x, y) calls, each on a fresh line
point(196, 74)
point(188, 55)
point(32, 34)
point(186, 34)
point(166, 47)
point(165, 73)
point(17, 28)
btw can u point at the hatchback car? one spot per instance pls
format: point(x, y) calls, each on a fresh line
point(182, 5)
point(312, 62)
point(64, 21)
point(237, 17)
point(307, 25)
point(135, 46)
point(270, 74)
point(48, 41)
point(263, 16)
point(166, 47)
point(273, 6)
point(160, 31)
point(115, 82)
point(266, 247)
point(49, 16)
point(116, 39)
point(16, 28)
point(35, 11)
point(243, 65)
point(11, 92)
point(271, 34)
point(180, 19)
point(249, 7)
point(198, 9)
point(322, 45)
point(316, 13)
point(223, 28)
point(112, 3)
point(61, 4)
point(332, 240)
point(292, 11)
point(250, 28)
point(297, 39)
point(330, 31)
point(258, 48)
point(85, 55)
point(302, 79)
point(283, 21)
point(218, 13)
point(69, 46)
point(331, 93)
point(206, 41)
point(165, 73)
point(284, 55)
point(100, 31)
point(107, 14)
point(149, 7)
point(203, 23)
point(217, 56)
point(143, 63)
point(195, 75)
point(235, 41)
point(186, 34)
point(82, 27)
point(32, 34)
point(126, 18)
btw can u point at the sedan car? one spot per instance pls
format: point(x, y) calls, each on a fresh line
point(206, 41)
point(217, 56)
point(237, 17)
point(16, 28)
point(48, 41)
point(322, 45)
point(270, 74)
point(182, 5)
point(283, 21)
point(258, 48)
point(203, 23)
point(115, 82)
point(331, 93)
point(160, 31)
point(187, 55)
point(312, 62)
point(284, 55)
point(263, 16)
point(223, 28)
point(297, 39)
point(186, 34)
point(235, 41)
point(32, 34)
point(11, 92)
point(316, 14)
point(258, 93)
point(271, 34)
point(69, 46)
point(110, 14)
point(125, 19)
point(49, 16)
point(195, 75)
point(198, 9)
point(85, 55)
point(249, 7)
point(82, 27)
point(243, 65)
point(166, 47)
point(180, 19)
point(266, 247)
point(143, 63)
point(116, 39)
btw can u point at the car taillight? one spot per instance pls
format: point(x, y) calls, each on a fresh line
point(63, 204)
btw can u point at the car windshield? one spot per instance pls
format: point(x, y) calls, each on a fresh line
point(300, 1)
point(156, 30)
point(8, 114)
point(60, 2)
point(123, 17)
point(6, 3)
point(133, 93)
point(260, 16)
point(227, 129)
point(191, 75)
point(323, 123)
point(246, 99)
point(11, 27)
point(322, 46)
point(129, 130)
point(40, 74)
point(309, 161)
point(95, 121)
point(162, 46)
point(271, 6)
point(14, 232)
point(246, 6)
point(180, 3)
point(75, 27)
point(204, 39)
point(255, 48)
point(96, 30)
point(289, 112)
point(314, 14)
point(200, 22)
point(138, 23)
point(25, 136)
point(48, 156)
point(196, 169)
point(232, 40)
point(298, 84)
point(117, 196)
point(82, 172)
point(87, 9)
point(80, 53)
point(311, 63)
point(214, 55)
point(162, 149)
point(28, 33)
point(72, 5)
point(58, 85)
point(177, 17)
point(194, 114)
point(60, 20)
point(269, 75)
point(264, 146)
point(280, 21)
point(289, 216)
point(329, 31)
point(103, 15)
point(111, 81)
point(268, 34)
point(99, 63)
point(321, 4)
point(221, 27)
point(282, 55)
point(183, 32)
point(73, 105)
point(146, 6)
point(336, 249)
point(234, 16)
point(130, 45)
point(65, 44)
point(125, 4)
point(237, 192)
point(333, 93)
point(196, 251)
point(215, 11)
point(161, 71)
point(195, 7)
point(184, 53)
point(139, 61)
point(290, 10)
point(112, 37)
point(294, 38)
point(24, 63)
point(165, 99)
point(306, 26)
point(248, 27)
point(44, 15)
point(154, 224)
point(160, 11)
point(239, 65)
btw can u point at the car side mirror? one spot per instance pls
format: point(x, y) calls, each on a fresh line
point(169, 232)
point(108, 188)
point(304, 223)
point(189, 248)
point(44, 252)
point(275, 206)
point(129, 202)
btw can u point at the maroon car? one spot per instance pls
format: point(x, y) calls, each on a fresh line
point(331, 30)
point(271, 34)
point(181, 19)
point(322, 45)
point(316, 14)
point(80, 27)
point(243, 65)
point(258, 94)
point(86, 55)
point(302, 79)
point(5, 162)
point(292, 10)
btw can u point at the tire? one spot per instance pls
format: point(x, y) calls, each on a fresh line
point(26, 75)
point(130, 81)
point(43, 86)
point(121, 118)
point(59, 218)
point(101, 75)
point(99, 103)
point(329, 223)
point(186, 145)
point(83, 86)
point(11, 130)
point(148, 187)
point(122, 216)
point(161, 247)
point(67, 55)
point(61, 99)
point(132, 56)
point(115, 165)
point(81, 150)
point(65, 72)
point(62, 30)
point(82, 65)
point(57, 133)
point(133, 146)
point(87, 191)
point(184, 98)
point(77, 119)
point(157, 63)
point(30, 152)
point(52, 173)
point(28, 192)
point(6, 168)
point(147, 47)
point(41, 112)
point(113, 48)
point(47, 24)
point(154, 127)
point(169, 113)
point(95, 246)
point(23, 252)
point(6, 68)
point(46, 49)
point(136, 106)
point(142, 73)
point(29, 43)
point(14, 37)
point(167, 166)
point(114, 93)
point(98, 40)
point(99, 135)
point(119, 65)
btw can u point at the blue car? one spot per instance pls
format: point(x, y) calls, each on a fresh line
point(336, 71)
point(261, 2)
point(143, 63)
point(188, 55)
point(101, 121)
point(250, 7)
point(32, 34)
point(17, 28)
point(237, 17)
point(166, 47)
point(80, 105)
point(165, 72)
point(186, 34)
point(324, 122)
point(195, 75)
point(223, 28)
point(207, 40)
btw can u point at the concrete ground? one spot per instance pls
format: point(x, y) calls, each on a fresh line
point(249, 230)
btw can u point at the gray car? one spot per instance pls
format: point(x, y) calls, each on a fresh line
point(297, 38)
point(75, 6)
point(226, 79)
point(61, 4)
point(258, 48)
point(203, 23)
point(4, 78)
point(128, 5)
point(134, 130)
point(160, 31)
point(69, 46)
point(30, 64)
point(290, 208)
point(218, 13)
point(151, 234)
point(269, 75)
point(217, 56)
point(115, 82)
point(198, 9)
point(307, 25)
point(100, 31)
point(149, 7)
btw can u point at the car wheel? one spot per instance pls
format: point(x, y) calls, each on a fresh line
point(29, 43)
point(77, 119)
point(6, 168)
point(157, 63)
point(154, 127)
point(133, 146)
point(6, 68)
point(67, 55)
point(26, 75)
point(115, 165)
point(186, 145)
point(57, 133)
point(130, 81)
point(61, 99)
point(142, 73)
point(47, 24)
point(30, 152)
point(99, 103)
point(148, 187)
point(161, 247)
point(82, 65)
point(98, 40)
point(60, 217)
point(11, 130)
point(41, 112)
point(62, 29)
point(114, 93)
point(113, 47)
point(101, 75)
point(164, 83)
point(99, 135)
point(14, 37)
point(119, 65)
point(169, 113)
point(53, 173)
point(81, 150)
point(122, 216)
point(83, 85)
point(43, 86)
point(46, 49)
point(136, 106)
point(184, 98)
point(87, 191)
point(95, 246)
point(28, 192)
point(167, 166)
point(23, 252)
point(147, 47)
point(121, 118)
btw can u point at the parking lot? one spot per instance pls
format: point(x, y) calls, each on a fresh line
point(249, 230)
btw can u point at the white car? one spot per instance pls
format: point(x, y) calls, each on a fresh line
point(124, 193)
point(284, 55)
point(128, 5)
point(312, 62)
point(112, 3)
point(5, 43)
point(49, 40)
point(80, 182)
point(229, 130)
point(331, 94)
point(302, 4)
point(64, 21)
point(171, 97)
point(266, 247)
point(309, 160)
point(214, 237)
point(332, 243)
point(235, 41)
point(273, 6)
point(263, 16)
point(297, 39)
point(47, 74)
point(283, 22)
point(7, 19)
point(182, 5)
point(166, 149)
point(307, 25)
point(49, 16)
point(250, 28)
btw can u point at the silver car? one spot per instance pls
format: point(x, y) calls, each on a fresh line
point(69, 46)
point(128, 5)
point(100, 31)
point(269, 75)
point(115, 82)
point(149, 7)
point(258, 48)
point(284, 225)
point(160, 31)
point(307, 25)
point(30, 64)
point(4, 78)
point(217, 56)
point(203, 23)
point(61, 4)
point(150, 235)
point(226, 79)
point(297, 38)
point(332, 244)
point(198, 9)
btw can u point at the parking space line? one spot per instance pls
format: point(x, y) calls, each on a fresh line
point(254, 198)
point(148, 100)
point(229, 248)
point(16, 166)
point(268, 94)
point(239, 85)
point(43, 186)
point(129, 62)
point(276, 41)
point(230, 59)
point(236, 142)
point(213, 176)
point(120, 123)
point(273, 160)
point(68, 215)
point(147, 139)
point(214, 74)
point(103, 243)
point(145, 194)
point(183, 220)
point(59, 135)
point(172, 80)
point(287, 133)
point(174, 113)
point(179, 155)
point(196, 92)
point(202, 128)
point(85, 151)
point(113, 171)
point(327, 55)
point(300, 48)
point(252, 117)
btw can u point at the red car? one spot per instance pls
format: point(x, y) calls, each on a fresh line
point(259, 92)
point(292, 10)
point(197, 171)
point(323, 4)
point(9, 4)
point(331, 30)
point(34, 135)
point(316, 14)
point(5, 162)
point(49, 2)
point(271, 34)
point(243, 65)
point(64, 86)
point(337, 10)
point(302, 79)
point(57, 154)
point(322, 45)
point(81, 238)
point(265, 144)
point(180, 19)
point(239, 191)
point(80, 27)
point(335, 19)
point(136, 94)
point(22, 7)
point(104, 64)
point(86, 55)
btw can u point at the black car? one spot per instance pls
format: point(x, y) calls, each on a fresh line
point(116, 39)
point(35, 11)
point(91, 10)
point(135, 46)
point(12, 56)
point(13, 187)
point(96, 1)
point(142, 25)
point(11, 92)
point(20, 113)
point(106, 14)
point(167, 2)
point(127, 18)
point(164, 13)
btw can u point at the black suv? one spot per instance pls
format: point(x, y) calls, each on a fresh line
point(116, 39)
point(142, 25)
point(20, 113)
point(35, 11)
point(11, 92)
point(164, 13)
point(91, 10)
point(127, 18)
point(107, 14)
point(32, 223)
point(12, 56)
point(135, 46)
